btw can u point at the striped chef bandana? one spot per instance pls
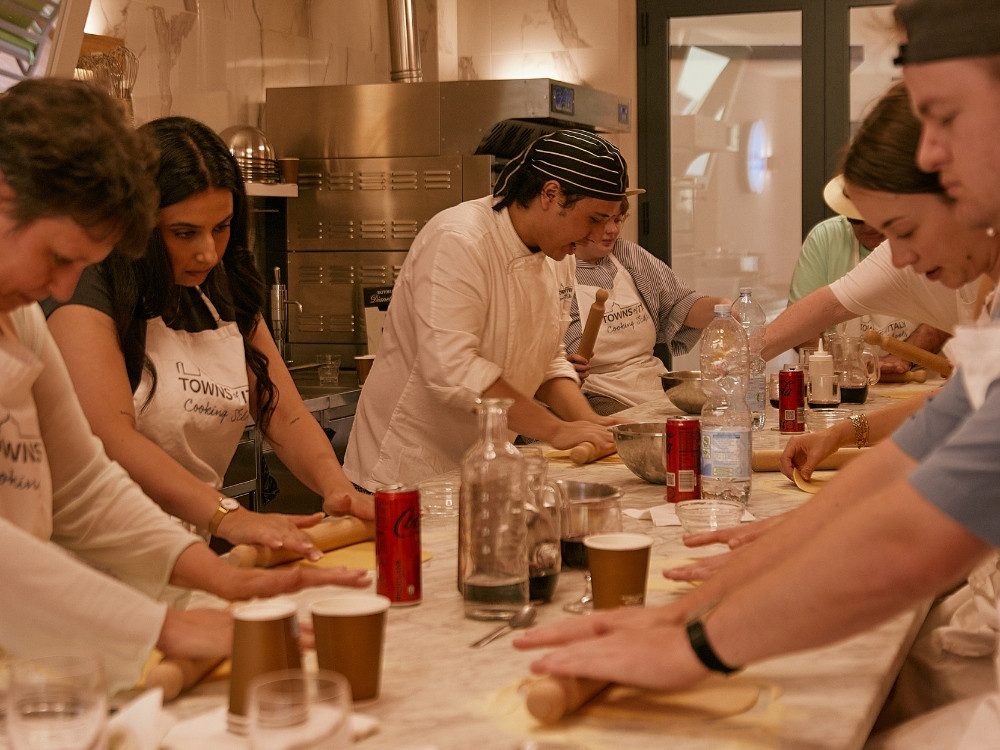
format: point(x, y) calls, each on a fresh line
point(582, 162)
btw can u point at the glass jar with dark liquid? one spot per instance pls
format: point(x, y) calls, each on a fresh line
point(856, 365)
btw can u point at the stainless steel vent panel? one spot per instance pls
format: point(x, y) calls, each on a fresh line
point(329, 284)
point(375, 204)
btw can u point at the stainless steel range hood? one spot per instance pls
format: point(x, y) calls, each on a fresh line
point(434, 118)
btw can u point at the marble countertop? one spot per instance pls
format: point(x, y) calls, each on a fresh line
point(439, 693)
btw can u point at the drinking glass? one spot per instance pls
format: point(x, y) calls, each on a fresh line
point(329, 369)
point(587, 509)
point(773, 389)
point(297, 709)
point(57, 702)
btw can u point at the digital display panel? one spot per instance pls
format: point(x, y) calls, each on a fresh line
point(563, 99)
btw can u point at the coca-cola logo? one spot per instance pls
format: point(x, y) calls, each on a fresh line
point(408, 523)
point(789, 388)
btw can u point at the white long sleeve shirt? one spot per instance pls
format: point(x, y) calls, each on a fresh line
point(83, 552)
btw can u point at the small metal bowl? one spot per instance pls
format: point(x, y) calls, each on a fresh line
point(583, 492)
point(641, 447)
point(683, 388)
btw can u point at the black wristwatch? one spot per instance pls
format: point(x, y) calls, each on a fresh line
point(700, 645)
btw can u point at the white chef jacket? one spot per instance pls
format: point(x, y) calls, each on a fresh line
point(472, 304)
point(92, 509)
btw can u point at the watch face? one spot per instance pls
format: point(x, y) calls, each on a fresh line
point(229, 504)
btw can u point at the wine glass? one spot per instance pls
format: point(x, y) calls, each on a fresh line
point(297, 709)
point(587, 508)
point(57, 702)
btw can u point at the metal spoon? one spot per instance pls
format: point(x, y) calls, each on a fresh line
point(520, 619)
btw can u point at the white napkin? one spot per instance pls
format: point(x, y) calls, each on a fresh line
point(209, 730)
point(140, 724)
point(666, 514)
point(976, 351)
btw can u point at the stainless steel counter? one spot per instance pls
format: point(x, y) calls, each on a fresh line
point(332, 406)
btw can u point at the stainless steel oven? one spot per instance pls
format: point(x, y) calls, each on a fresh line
point(377, 161)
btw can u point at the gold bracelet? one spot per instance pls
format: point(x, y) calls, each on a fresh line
point(860, 422)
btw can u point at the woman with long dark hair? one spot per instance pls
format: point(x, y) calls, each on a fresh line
point(169, 354)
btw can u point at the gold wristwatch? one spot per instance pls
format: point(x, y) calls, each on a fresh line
point(226, 505)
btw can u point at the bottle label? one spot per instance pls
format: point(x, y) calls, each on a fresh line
point(755, 393)
point(725, 453)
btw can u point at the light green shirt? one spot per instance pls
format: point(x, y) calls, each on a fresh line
point(827, 254)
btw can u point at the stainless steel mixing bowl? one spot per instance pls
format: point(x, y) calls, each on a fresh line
point(641, 448)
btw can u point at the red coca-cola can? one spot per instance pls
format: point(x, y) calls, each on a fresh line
point(791, 401)
point(683, 458)
point(397, 544)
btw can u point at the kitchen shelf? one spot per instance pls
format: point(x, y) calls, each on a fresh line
point(271, 190)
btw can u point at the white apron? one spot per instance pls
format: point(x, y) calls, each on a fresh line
point(623, 366)
point(955, 651)
point(200, 408)
point(25, 481)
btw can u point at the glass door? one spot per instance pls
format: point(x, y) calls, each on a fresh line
point(744, 108)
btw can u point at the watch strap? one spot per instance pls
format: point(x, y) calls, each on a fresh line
point(703, 649)
point(221, 512)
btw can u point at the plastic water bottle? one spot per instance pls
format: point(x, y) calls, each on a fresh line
point(726, 447)
point(749, 312)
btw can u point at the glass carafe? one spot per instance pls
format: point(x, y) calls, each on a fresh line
point(856, 366)
point(492, 533)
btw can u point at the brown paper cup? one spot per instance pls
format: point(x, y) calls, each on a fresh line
point(349, 631)
point(619, 567)
point(364, 366)
point(289, 170)
point(265, 639)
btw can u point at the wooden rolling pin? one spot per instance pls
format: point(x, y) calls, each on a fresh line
point(329, 534)
point(911, 376)
point(910, 353)
point(175, 676)
point(593, 325)
point(551, 698)
point(767, 460)
point(585, 453)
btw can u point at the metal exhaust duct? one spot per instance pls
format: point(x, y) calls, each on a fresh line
point(404, 50)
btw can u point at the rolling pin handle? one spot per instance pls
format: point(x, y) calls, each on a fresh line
point(593, 325)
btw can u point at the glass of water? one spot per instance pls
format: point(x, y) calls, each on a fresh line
point(297, 709)
point(57, 702)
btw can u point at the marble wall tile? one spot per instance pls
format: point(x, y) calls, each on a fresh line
point(214, 59)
